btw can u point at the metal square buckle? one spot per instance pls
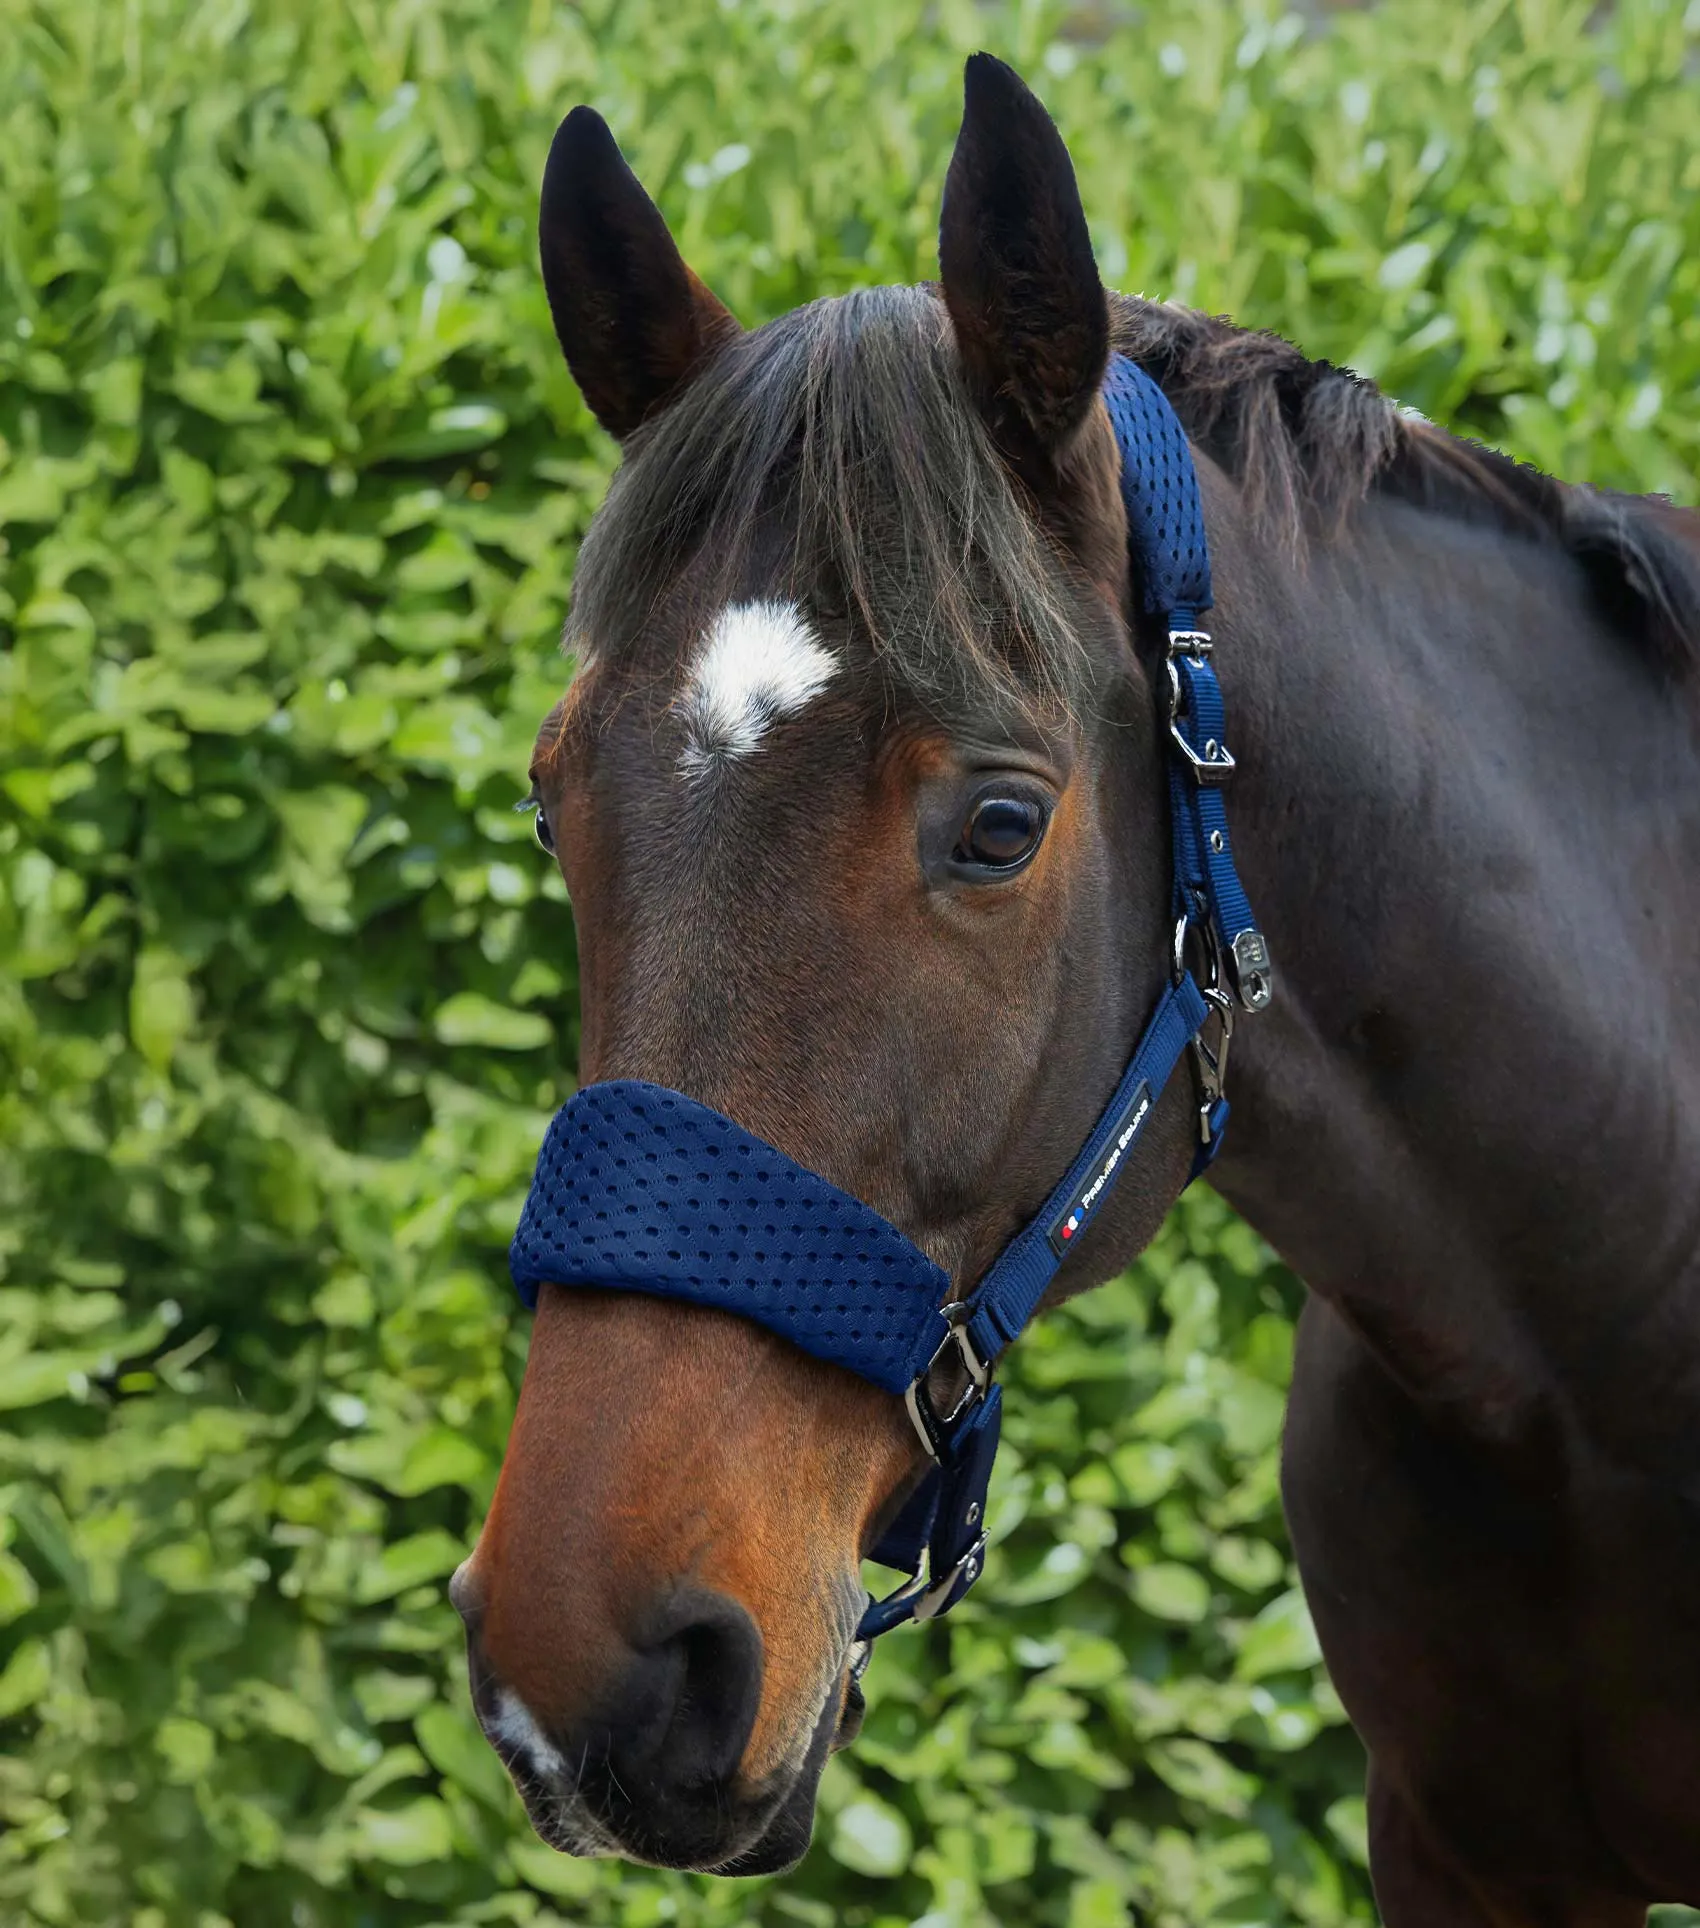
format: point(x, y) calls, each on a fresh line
point(933, 1426)
point(1213, 764)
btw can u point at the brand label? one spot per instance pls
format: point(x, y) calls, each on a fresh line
point(1070, 1221)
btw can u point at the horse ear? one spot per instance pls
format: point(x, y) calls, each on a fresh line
point(633, 322)
point(1031, 318)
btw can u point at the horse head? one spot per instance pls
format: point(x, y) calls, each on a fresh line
point(858, 792)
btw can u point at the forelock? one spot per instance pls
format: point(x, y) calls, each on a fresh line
point(835, 459)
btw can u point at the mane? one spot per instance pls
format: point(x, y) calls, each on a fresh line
point(1308, 442)
point(838, 445)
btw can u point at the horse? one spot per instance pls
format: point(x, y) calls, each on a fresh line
point(858, 791)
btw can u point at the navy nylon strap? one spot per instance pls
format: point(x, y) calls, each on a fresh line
point(1165, 519)
point(999, 1307)
point(643, 1189)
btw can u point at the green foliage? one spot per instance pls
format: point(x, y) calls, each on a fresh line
point(290, 482)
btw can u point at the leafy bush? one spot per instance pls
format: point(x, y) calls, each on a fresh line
point(290, 482)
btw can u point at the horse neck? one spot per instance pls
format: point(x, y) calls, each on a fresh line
point(1468, 814)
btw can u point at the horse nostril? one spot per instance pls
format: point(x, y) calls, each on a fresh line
point(691, 1700)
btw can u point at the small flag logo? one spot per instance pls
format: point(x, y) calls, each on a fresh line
point(1073, 1225)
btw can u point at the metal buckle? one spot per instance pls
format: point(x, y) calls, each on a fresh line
point(1202, 926)
point(933, 1597)
point(1213, 765)
point(929, 1596)
point(928, 1421)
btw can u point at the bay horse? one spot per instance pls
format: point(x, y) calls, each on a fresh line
point(858, 791)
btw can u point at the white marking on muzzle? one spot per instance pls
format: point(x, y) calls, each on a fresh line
point(516, 1728)
point(759, 661)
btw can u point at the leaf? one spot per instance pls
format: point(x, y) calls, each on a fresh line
point(440, 1458)
point(454, 736)
point(871, 1836)
point(1195, 1770)
point(554, 1873)
point(1145, 1469)
point(25, 1678)
point(1280, 1640)
point(187, 1747)
point(1169, 1591)
point(1406, 265)
point(1251, 1413)
point(1348, 1822)
point(454, 1745)
point(468, 1018)
point(162, 1005)
point(32, 1379)
point(410, 1563)
point(322, 822)
point(404, 1837)
point(18, 1590)
point(449, 431)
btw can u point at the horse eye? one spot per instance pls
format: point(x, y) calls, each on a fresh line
point(540, 826)
point(1000, 833)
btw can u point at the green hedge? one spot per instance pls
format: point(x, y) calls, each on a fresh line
point(290, 482)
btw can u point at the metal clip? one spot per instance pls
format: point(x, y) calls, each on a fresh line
point(1212, 1066)
point(927, 1596)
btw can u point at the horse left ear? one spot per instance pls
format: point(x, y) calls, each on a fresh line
point(1031, 318)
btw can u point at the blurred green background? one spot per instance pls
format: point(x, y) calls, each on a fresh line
point(291, 478)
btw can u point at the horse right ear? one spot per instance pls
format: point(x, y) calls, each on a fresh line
point(633, 322)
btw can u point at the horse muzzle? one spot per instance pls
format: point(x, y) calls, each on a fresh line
point(651, 1772)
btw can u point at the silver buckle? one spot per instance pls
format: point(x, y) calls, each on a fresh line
point(1214, 764)
point(933, 1596)
point(928, 1421)
point(1202, 927)
point(928, 1595)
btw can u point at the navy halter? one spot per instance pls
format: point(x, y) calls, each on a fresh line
point(642, 1189)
